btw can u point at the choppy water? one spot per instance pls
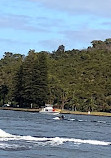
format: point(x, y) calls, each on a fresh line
point(34, 135)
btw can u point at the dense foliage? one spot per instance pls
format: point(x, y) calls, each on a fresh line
point(74, 79)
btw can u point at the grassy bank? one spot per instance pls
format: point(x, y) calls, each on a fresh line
point(61, 111)
point(19, 109)
point(85, 113)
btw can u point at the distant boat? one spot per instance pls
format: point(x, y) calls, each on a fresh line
point(6, 105)
point(48, 109)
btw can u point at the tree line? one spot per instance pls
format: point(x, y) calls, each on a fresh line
point(73, 79)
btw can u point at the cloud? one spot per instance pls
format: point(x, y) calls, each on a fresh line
point(50, 22)
point(20, 22)
point(14, 46)
point(12, 42)
point(95, 7)
point(40, 24)
point(83, 38)
point(51, 44)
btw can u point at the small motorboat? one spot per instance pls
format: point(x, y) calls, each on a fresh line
point(48, 109)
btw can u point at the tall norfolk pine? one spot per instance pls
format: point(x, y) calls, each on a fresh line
point(17, 95)
point(31, 81)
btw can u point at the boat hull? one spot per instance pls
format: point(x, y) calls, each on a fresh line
point(51, 113)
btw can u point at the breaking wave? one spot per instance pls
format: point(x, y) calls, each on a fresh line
point(54, 141)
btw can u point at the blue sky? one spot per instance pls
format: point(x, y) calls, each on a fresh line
point(43, 25)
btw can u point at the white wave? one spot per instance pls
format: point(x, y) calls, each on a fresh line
point(6, 146)
point(101, 121)
point(4, 134)
point(80, 141)
point(80, 120)
point(52, 141)
point(56, 118)
point(72, 119)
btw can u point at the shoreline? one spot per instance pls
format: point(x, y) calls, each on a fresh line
point(86, 113)
point(61, 111)
point(20, 109)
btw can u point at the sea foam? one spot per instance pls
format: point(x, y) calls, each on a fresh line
point(51, 141)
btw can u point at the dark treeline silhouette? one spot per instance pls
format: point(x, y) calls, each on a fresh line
point(74, 79)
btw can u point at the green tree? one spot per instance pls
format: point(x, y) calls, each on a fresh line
point(17, 95)
point(3, 93)
point(35, 79)
point(42, 79)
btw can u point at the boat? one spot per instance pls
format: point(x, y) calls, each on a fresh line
point(48, 109)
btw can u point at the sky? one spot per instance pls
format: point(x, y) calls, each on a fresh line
point(43, 25)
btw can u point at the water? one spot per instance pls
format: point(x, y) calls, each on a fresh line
point(34, 135)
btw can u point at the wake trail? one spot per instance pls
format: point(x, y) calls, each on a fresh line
point(51, 141)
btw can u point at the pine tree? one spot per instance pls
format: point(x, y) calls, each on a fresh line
point(18, 87)
point(35, 79)
point(42, 79)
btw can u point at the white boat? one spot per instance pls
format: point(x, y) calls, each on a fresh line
point(48, 109)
